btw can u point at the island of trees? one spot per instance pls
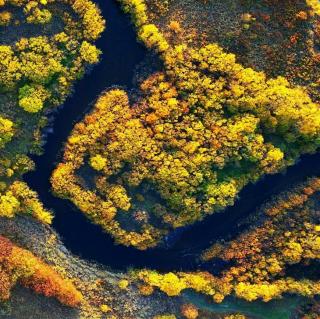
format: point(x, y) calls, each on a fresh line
point(203, 128)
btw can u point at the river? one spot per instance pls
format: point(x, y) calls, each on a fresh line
point(121, 54)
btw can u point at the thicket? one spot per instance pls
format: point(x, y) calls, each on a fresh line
point(42, 69)
point(20, 266)
point(36, 74)
point(259, 260)
point(203, 129)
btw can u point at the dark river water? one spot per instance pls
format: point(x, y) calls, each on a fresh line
point(121, 54)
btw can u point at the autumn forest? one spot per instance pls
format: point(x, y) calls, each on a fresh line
point(208, 155)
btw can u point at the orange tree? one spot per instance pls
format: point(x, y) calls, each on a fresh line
point(20, 266)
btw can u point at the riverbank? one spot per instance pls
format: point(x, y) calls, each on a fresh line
point(100, 286)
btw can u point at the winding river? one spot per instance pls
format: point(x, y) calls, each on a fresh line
point(121, 54)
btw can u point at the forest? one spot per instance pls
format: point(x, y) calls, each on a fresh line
point(226, 96)
point(36, 74)
point(202, 129)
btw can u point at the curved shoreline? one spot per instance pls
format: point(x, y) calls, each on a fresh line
point(121, 53)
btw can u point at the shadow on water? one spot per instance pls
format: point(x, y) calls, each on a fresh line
point(121, 53)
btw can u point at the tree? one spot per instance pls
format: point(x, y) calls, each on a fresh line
point(5, 18)
point(19, 265)
point(6, 131)
point(32, 98)
point(89, 52)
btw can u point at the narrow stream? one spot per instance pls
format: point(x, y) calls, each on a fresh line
point(121, 54)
